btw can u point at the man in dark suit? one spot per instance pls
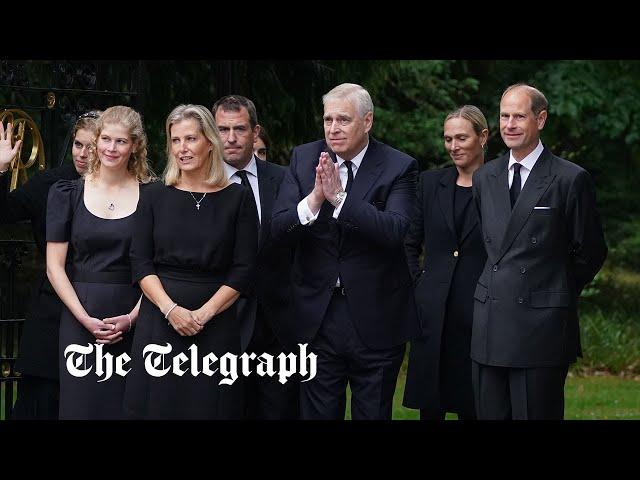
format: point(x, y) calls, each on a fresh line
point(544, 242)
point(345, 203)
point(262, 314)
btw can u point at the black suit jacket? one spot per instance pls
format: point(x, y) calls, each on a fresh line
point(273, 267)
point(38, 344)
point(444, 289)
point(364, 246)
point(539, 260)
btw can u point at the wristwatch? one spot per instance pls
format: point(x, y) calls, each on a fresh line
point(339, 198)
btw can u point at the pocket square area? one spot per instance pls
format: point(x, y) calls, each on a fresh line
point(542, 208)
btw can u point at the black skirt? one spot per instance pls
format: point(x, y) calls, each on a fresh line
point(188, 396)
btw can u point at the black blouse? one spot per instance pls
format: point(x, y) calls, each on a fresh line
point(219, 238)
point(97, 244)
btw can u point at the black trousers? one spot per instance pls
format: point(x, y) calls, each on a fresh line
point(265, 397)
point(503, 393)
point(343, 358)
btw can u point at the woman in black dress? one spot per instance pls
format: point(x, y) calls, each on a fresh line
point(38, 390)
point(446, 225)
point(93, 218)
point(193, 253)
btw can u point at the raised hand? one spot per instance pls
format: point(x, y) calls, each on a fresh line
point(330, 177)
point(6, 152)
point(316, 197)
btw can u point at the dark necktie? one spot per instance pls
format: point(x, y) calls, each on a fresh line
point(349, 175)
point(516, 186)
point(244, 180)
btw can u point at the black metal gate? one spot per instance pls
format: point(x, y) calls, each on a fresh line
point(53, 93)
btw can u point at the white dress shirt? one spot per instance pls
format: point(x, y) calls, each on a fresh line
point(252, 175)
point(526, 163)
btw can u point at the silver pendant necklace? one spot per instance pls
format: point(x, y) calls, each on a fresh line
point(198, 201)
point(111, 206)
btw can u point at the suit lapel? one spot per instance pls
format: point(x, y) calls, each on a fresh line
point(537, 183)
point(368, 172)
point(445, 198)
point(267, 192)
point(500, 202)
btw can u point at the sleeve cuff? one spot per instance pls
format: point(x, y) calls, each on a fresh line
point(337, 211)
point(305, 215)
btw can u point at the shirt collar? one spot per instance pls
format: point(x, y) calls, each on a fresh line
point(357, 160)
point(250, 168)
point(530, 160)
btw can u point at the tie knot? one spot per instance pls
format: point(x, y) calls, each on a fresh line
point(244, 180)
point(516, 167)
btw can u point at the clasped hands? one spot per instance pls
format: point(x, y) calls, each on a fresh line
point(327, 184)
point(108, 330)
point(189, 322)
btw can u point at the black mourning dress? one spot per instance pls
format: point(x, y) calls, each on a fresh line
point(194, 252)
point(101, 276)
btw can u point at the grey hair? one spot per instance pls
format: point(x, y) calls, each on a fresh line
point(354, 92)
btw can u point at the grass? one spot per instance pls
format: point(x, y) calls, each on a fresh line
point(610, 342)
point(593, 397)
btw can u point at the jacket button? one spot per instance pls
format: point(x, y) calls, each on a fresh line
point(495, 268)
point(488, 239)
point(520, 300)
point(534, 240)
point(455, 253)
point(522, 269)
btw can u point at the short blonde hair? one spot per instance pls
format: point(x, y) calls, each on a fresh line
point(130, 119)
point(216, 176)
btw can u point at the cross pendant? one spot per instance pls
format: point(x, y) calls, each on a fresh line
point(198, 206)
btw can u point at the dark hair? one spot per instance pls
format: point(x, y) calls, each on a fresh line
point(234, 103)
point(264, 136)
point(87, 121)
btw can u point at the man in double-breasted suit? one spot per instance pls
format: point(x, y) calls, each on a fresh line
point(345, 203)
point(262, 314)
point(544, 243)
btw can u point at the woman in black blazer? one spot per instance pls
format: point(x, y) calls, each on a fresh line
point(446, 227)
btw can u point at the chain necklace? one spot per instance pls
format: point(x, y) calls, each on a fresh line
point(198, 201)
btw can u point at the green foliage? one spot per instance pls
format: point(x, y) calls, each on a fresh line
point(411, 100)
point(614, 289)
point(626, 249)
point(610, 342)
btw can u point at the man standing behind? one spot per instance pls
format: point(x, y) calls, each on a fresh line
point(264, 313)
point(544, 243)
point(345, 203)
